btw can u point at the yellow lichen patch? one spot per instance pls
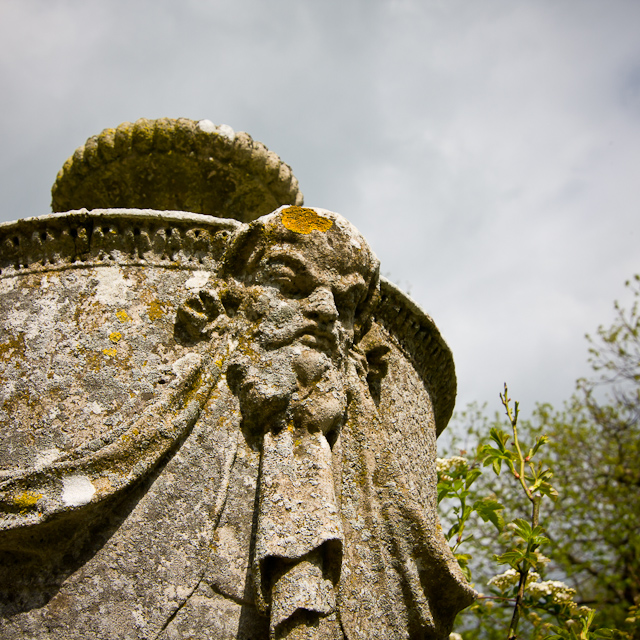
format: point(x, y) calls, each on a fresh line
point(14, 346)
point(130, 436)
point(123, 316)
point(26, 499)
point(303, 220)
point(111, 352)
point(115, 337)
point(155, 310)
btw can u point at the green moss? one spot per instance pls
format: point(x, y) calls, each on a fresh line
point(142, 137)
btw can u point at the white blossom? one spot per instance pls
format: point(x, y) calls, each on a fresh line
point(510, 578)
point(505, 580)
point(532, 576)
point(448, 464)
point(558, 591)
point(579, 611)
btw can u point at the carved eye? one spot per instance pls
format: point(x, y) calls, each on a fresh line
point(285, 278)
point(348, 301)
point(282, 277)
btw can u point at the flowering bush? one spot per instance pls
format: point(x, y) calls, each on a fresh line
point(546, 607)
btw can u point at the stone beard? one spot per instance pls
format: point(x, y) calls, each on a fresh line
point(298, 546)
point(282, 486)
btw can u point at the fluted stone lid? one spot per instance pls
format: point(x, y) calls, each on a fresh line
point(176, 164)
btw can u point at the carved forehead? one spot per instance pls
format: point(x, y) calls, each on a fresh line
point(323, 240)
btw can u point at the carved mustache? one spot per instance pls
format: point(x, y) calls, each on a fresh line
point(317, 337)
point(323, 337)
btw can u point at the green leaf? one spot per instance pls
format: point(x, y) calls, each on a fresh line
point(489, 510)
point(512, 558)
point(499, 437)
point(443, 492)
point(539, 442)
point(523, 528)
point(547, 490)
point(472, 476)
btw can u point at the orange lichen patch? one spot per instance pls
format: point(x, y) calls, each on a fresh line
point(115, 337)
point(111, 352)
point(123, 316)
point(155, 311)
point(303, 220)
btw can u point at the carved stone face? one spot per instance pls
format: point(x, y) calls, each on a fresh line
point(306, 297)
point(308, 304)
point(300, 284)
point(309, 289)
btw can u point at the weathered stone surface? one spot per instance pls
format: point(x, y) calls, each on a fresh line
point(214, 429)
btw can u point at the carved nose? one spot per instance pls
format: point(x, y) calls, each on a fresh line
point(321, 305)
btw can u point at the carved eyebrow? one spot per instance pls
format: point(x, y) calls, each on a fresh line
point(287, 259)
point(354, 282)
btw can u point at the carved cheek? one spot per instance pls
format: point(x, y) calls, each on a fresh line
point(284, 318)
point(283, 314)
point(280, 324)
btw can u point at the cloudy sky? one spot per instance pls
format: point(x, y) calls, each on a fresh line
point(489, 150)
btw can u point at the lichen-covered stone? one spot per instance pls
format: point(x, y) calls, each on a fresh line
point(214, 429)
